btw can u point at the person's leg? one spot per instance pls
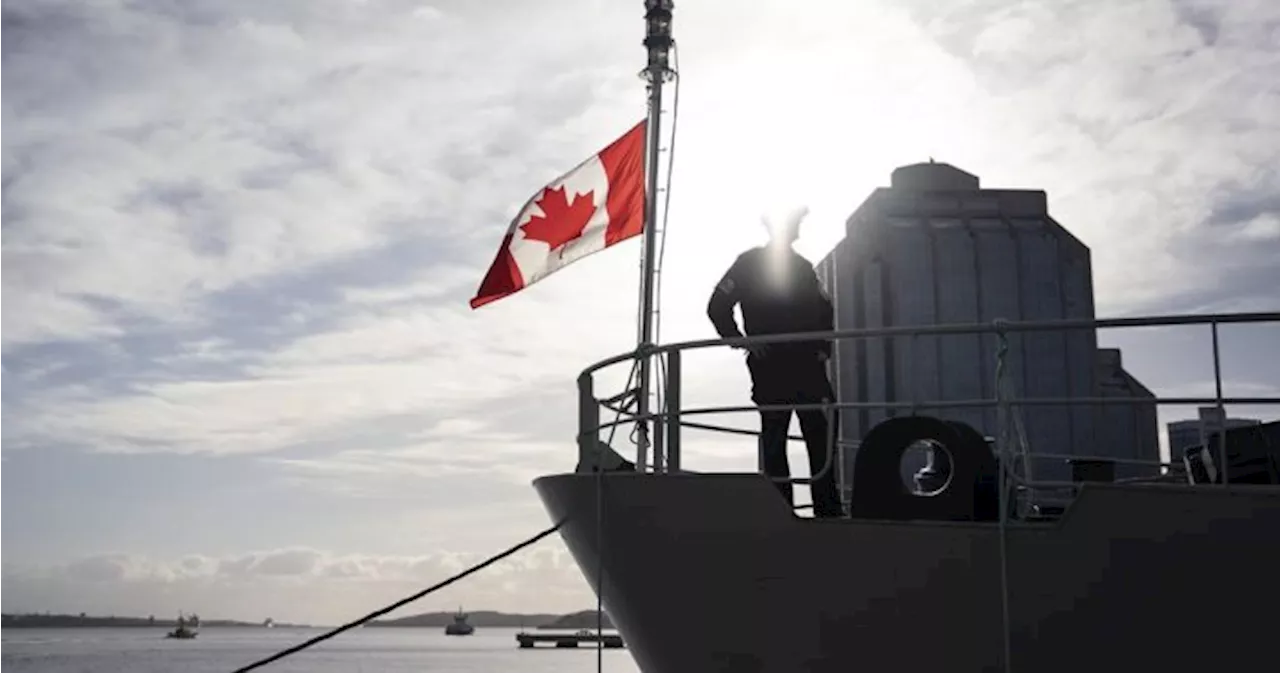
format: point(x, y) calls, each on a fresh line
point(817, 432)
point(768, 386)
point(819, 436)
point(773, 450)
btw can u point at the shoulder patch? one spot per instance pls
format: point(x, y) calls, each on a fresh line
point(726, 285)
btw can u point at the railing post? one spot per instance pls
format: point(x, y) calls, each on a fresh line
point(672, 409)
point(659, 429)
point(1221, 411)
point(833, 461)
point(841, 469)
point(588, 423)
point(760, 448)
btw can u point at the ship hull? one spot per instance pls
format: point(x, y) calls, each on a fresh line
point(714, 573)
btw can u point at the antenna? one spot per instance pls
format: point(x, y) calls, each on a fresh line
point(657, 41)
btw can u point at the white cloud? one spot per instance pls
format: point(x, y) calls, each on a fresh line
point(185, 150)
point(1135, 124)
point(1261, 229)
point(435, 362)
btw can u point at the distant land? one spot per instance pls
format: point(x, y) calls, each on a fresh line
point(585, 619)
point(46, 621)
point(577, 620)
point(580, 620)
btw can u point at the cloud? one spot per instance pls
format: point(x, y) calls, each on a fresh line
point(1160, 146)
point(268, 173)
point(184, 149)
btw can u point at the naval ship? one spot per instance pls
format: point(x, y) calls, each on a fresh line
point(972, 572)
point(1043, 533)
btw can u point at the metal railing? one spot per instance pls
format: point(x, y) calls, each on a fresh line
point(670, 418)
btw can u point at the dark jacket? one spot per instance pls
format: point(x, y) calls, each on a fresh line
point(779, 293)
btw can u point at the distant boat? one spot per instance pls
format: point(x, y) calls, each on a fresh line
point(269, 623)
point(459, 627)
point(187, 628)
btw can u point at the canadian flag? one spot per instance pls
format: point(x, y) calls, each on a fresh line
point(597, 204)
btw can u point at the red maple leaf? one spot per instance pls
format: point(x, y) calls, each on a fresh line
point(561, 221)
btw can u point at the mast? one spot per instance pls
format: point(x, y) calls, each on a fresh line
point(657, 41)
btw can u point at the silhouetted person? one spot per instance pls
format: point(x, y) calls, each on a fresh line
point(779, 293)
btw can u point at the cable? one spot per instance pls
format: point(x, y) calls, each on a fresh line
point(1005, 486)
point(666, 202)
point(400, 603)
point(613, 429)
point(600, 555)
point(635, 368)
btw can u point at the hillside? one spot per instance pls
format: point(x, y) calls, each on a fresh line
point(478, 619)
point(579, 620)
point(488, 618)
point(47, 621)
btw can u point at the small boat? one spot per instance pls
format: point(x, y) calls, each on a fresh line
point(186, 629)
point(459, 627)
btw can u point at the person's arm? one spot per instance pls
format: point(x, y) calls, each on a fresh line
point(724, 297)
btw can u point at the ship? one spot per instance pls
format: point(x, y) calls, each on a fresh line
point(967, 578)
point(187, 628)
point(459, 626)
point(1110, 560)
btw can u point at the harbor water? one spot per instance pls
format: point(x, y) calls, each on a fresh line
point(222, 650)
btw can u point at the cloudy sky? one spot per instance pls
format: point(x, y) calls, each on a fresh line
point(240, 373)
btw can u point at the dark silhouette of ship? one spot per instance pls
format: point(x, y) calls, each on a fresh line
point(186, 629)
point(460, 626)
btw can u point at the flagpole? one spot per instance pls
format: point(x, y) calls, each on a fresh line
point(657, 41)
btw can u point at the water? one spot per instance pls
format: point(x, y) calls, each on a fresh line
point(221, 650)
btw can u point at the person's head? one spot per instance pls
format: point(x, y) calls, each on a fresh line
point(784, 231)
